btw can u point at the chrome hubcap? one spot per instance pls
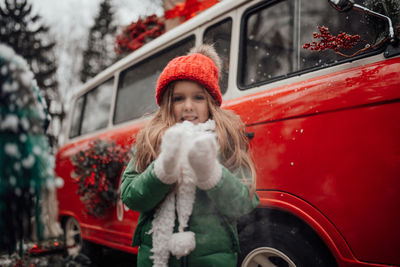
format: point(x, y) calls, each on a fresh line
point(267, 257)
point(73, 237)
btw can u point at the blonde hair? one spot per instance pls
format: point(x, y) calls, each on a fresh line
point(230, 132)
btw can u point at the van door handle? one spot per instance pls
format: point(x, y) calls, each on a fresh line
point(249, 135)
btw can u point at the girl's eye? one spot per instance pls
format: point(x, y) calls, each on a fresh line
point(199, 97)
point(177, 98)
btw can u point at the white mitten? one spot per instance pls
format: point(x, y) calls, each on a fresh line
point(166, 166)
point(203, 159)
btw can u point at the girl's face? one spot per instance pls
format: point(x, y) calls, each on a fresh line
point(189, 102)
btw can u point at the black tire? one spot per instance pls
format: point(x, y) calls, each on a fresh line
point(281, 244)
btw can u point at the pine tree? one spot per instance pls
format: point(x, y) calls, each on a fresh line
point(30, 38)
point(27, 36)
point(99, 53)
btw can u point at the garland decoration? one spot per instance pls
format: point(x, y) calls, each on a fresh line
point(139, 33)
point(97, 170)
point(189, 9)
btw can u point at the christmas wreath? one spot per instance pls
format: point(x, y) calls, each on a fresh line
point(96, 171)
point(139, 33)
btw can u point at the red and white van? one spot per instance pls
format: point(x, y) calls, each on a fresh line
point(324, 129)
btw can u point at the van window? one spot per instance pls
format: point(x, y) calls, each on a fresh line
point(76, 117)
point(320, 13)
point(273, 36)
point(92, 110)
point(97, 107)
point(220, 36)
point(136, 89)
point(268, 43)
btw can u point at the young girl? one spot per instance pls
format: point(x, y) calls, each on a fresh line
point(191, 176)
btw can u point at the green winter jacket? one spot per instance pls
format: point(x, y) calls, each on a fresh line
point(213, 219)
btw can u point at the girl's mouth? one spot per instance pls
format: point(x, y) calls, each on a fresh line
point(189, 118)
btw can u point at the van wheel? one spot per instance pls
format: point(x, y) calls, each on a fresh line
point(267, 256)
point(73, 237)
point(267, 243)
point(80, 250)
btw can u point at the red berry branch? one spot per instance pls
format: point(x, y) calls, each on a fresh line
point(342, 41)
point(327, 41)
point(139, 33)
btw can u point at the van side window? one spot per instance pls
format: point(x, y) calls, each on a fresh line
point(318, 13)
point(97, 107)
point(76, 117)
point(273, 35)
point(92, 110)
point(268, 43)
point(135, 95)
point(220, 36)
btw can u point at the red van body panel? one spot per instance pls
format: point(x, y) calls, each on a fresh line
point(333, 143)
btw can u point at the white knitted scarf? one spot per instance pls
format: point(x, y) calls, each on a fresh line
point(180, 199)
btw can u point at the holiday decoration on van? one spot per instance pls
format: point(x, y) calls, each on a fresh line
point(97, 170)
point(327, 41)
point(139, 33)
point(189, 9)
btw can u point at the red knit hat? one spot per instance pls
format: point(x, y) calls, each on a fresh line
point(195, 67)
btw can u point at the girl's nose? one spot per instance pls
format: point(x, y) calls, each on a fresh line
point(188, 105)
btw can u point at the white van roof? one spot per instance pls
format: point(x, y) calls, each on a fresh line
point(208, 15)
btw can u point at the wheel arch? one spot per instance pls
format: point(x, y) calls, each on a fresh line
point(63, 217)
point(284, 208)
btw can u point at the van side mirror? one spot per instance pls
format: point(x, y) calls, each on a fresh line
point(346, 5)
point(342, 5)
